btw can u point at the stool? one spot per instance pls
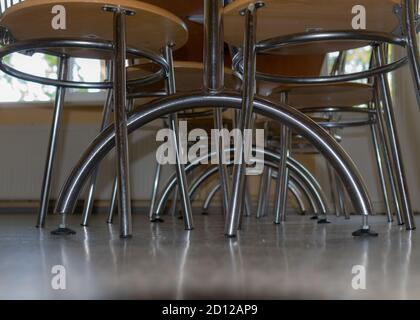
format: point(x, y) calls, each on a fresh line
point(100, 29)
point(285, 27)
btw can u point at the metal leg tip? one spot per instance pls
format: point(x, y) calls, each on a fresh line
point(63, 232)
point(157, 220)
point(364, 233)
point(324, 221)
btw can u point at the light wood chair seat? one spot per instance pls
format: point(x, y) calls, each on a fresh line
point(326, 95)
point(150, 28)
point(188, 77)
point(284, 17)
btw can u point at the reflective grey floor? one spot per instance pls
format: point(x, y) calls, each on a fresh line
point(297, 260)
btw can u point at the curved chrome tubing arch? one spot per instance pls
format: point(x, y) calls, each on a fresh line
point(39, 44)
point(300, 175)
point(287, 115)
point(297, 180)
point(292, 188)
point(301, 38)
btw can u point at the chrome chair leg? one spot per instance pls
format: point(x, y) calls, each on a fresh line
point(409, 26)
point(113, 202)
point(280, 202)
point(383, 142)
point(180, 168)
point(238, 183)
point(52, 144)
point(247, 202)
point(266, 204)
point(154, 192)
point(381, 172)
point(88, 206)
point(394, 143)
point(262, 194)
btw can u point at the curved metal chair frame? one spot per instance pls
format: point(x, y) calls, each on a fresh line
point(301, 178)
point(289, 116)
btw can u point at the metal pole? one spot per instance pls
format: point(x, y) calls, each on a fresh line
point(179, 150)
point(53, 142)
point(238, 184)
point(381, 172)
point(213, 59)
point(394, 143)
point(88, 207)
point(280, 203)
point(410, 8)
point(120, 114)
point(154, 191)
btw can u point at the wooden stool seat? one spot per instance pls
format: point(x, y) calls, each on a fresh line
point(150, 28)
point(188, 77)
point(326, 95)
point(284, 17)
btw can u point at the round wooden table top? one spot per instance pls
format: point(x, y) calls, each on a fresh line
point(188, 77)
point(326, 95)
point(150, 28)
point(284, 17)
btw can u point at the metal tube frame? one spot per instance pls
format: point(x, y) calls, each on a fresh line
point(179, 149)
point(39, 44)
point(301, 38)
point(120, 115)
point(410, 31)
point(402, 186)
point(53, 143)
point(88, 205)
point(248, 92)
point(278, 112)
point(299, 177)
point(213, 78)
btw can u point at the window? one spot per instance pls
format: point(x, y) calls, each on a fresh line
point(16, 90)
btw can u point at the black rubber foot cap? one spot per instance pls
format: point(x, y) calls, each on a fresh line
point(314, 218)
point(126, 237)
point(180, 218)
point(364, 233)
point(303, 213)
point(109, 222)
point(323, 221)
point(84, 225)
point(231, 236)
point(401, 224)
point(63, 232)
point(157, 220)
point(205, 213)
